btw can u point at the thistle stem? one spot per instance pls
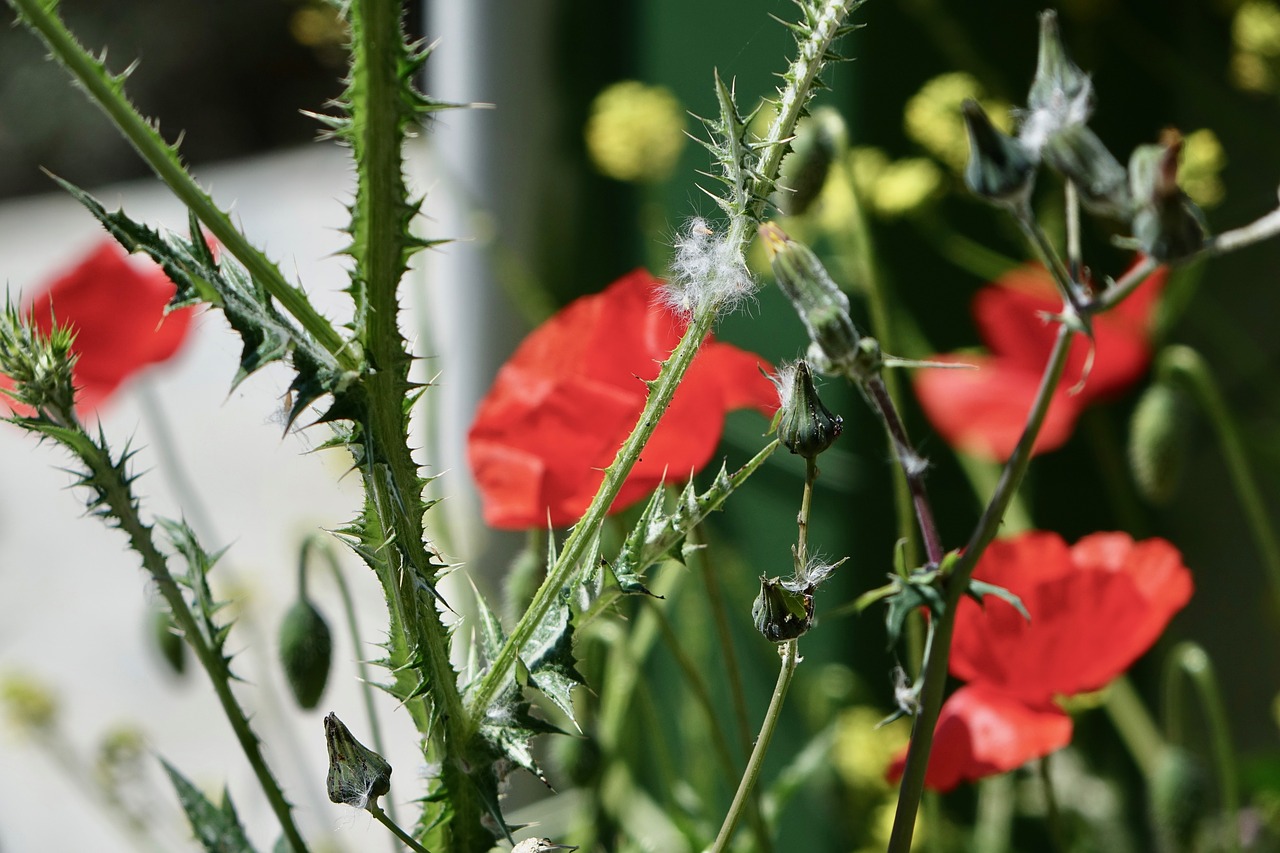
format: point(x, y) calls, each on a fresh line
point(381, 817)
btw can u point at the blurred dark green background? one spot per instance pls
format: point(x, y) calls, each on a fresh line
point(234, 75)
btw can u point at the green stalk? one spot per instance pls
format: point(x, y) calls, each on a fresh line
point(1190, 660)
point(381, 817)
point(1185, 366)
point(935, 670)
point(107, 91)
point(1133, 723)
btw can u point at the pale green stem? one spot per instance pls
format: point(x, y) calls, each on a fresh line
point(1185, 365)
point(790, 657)
point(381, 817)
point(1133, 722)
point(993, 819)
point(935, 670)
point(1052, 816)
point(1190, 659)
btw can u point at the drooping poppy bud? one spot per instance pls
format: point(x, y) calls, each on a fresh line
point(1158, 438)
point(805, 426)
point(1001, 169)
point(306, 649)
point(820, 140)
point(357, 774)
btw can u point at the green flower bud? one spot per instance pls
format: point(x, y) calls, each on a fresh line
point(1179, 798)
point(1166, 224)
point(822, 306)
point(1158, 439)
point(805, 425)
point(357, 774)
point(780, 612)
point(1001, 169)
point(306, 648)
point(820, 139)
point(1077, 153)
point(167, 641)
point(1059, 84)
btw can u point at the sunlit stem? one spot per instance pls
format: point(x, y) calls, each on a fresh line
point(381, 817)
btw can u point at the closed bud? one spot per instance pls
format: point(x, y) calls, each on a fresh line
point(357, 774)
point(822, 306)
point(306, 648)
point(1179, 799)
point(1158, 439)
point(165, 638)
point(1078, 154)
point(1059, 87)
point(1001, 169)
point(820, 140)
point(805, 425)
point(781, 613)
point(1166, 224)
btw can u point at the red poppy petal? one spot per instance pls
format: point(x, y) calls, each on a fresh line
point(983, 412)
point(982, 732)
point(1093, 613)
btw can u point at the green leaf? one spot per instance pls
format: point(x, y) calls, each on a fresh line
point(979, 590)
point(913, 593)
point(216, 828)
point(548, 656)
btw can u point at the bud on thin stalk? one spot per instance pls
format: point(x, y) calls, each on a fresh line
point(357, 774)
point(805, 426)
point(1001, 169)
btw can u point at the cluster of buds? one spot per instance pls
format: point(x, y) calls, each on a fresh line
point(1054, 130)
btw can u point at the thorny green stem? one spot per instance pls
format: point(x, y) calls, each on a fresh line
point(107, 92)
point(118, 498)
point(1190, 659)
point(1188, 368)
point(808, 64)
point(381, 817)
point(935, 670)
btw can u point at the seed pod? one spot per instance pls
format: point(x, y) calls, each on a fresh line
point(781, 613)
point(1001, 169)
point(1166, 224)
point(1158, 438)
point(306, 647)
point(806, 426)
point(357, 774)
point(1077, 153)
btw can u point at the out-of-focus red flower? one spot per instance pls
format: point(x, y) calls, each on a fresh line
point(1095, 608)
point(116, 305)
point(983, 411)
point(570, 394)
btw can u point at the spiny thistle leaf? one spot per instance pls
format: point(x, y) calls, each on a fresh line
point(217, 828)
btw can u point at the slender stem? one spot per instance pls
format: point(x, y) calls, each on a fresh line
point(1133, 722)
point(1045, 251)
point(1190, 659)
point(1185, 365)
point(935, 670)
point(790, 657)
point(1052, 816)
point(1074, 257)
point(381, 817)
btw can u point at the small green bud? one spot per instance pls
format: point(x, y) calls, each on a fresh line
point(306, 648)
point(1076, 152)
point(805, 425)
point(781, 613)
point(357, 774)
point(40, 365)
point(820, 140)
point(1166, 224)
point(1158, 440)
point(1179, 798)
point(166, 639)
point(1001, 169)
point(822, 306)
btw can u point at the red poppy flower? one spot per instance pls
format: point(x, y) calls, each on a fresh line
point(1095, 608)
point(571, 393)
point(983, 411)
point(116, 305)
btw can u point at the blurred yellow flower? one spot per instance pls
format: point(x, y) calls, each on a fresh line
point(892, 188)
point(862, 751)
point(1202, 162)
point(932, 116)
point(1255, 37)
point(635, 132)
point(28, 703)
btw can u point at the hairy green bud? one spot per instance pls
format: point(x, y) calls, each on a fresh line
point(306, 649)
point(1166, 224)
point(1077, 153)
point(820, 140)
point(805, 426)
point(781, 613)
point(1158, 440)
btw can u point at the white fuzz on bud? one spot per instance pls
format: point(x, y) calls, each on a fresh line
point(707, 268)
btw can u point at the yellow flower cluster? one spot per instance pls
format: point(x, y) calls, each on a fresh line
point(1202, 162)
point(1255, 37)
point(892, 188)
point(635, 132)
point(932, 116)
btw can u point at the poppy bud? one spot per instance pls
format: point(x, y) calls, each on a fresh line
point(1001, 169)
point(820, 139)
point(1166, 224)
point(1179, 798)
point(357, 774)
point(780, 612)
point(164, 635)
point(306, 647)
point(805, 425)
point(1077, 153)
point(1158, 435)
point(822, 306)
